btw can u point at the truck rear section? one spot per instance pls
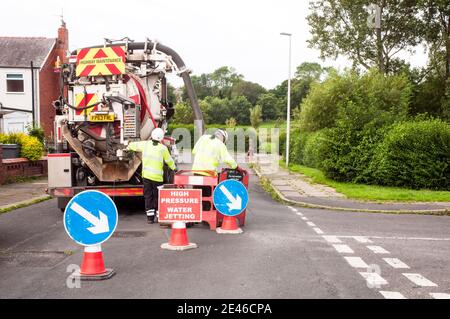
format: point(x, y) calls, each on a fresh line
point(111, 95)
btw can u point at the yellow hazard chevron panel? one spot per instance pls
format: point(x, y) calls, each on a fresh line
point(82, 100)
point(101, 61)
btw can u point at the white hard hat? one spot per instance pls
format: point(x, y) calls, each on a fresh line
point(157, 134)
point(223, 133)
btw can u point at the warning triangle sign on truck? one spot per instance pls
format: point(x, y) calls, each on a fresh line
point(101, 61)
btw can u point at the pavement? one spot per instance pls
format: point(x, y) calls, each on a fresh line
point(22, 194)
point(295, 189)
point(284, 252)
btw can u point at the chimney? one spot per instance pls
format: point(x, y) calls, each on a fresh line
point(62, 45)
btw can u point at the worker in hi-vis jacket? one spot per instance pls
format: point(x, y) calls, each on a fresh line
point(210, 151)
point(154, 155)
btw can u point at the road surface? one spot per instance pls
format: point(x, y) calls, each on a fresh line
point(284, 252)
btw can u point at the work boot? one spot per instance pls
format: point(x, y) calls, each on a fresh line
point(150, 216)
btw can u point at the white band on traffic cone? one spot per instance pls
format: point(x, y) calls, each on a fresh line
point(93, 249)
point(178, 225)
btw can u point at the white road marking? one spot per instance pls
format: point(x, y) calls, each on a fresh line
point(362, 239)
point(311, 224)
point(398, 238)
point(378, 250)
point(439, 295)
point(392, 295)
point(373, 279)
point(292, 208)
point(396, 263)
point(420, 280)
point(356, 262)
point(304, 218)
point(343, 249)
point(318, 230)
point(299, 214)
point(332, 239)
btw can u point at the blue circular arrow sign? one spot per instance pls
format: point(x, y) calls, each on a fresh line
point(90, 218)
point(230, 197)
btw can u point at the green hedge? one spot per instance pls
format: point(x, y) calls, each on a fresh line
point(30, 146)
point(416, 155)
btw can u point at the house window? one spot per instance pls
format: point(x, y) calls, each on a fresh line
point(14, 83)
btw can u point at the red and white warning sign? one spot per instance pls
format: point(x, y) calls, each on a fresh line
point(180, 205)
point(101, 61)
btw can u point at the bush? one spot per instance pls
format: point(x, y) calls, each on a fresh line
point(30, 146)
point(346, 154)
point(356, 112)
point(36, 131)
point(315, 149)
point(338, 97)
point(415, 154)
point(298, 140)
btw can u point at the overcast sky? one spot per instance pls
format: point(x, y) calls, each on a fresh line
point(244, 34)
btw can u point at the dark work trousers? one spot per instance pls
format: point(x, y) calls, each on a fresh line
point(151, 194)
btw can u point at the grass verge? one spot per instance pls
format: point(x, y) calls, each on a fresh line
point(25, 204)
point(372, 192)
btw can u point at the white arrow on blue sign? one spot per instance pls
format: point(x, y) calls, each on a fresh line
point(230, 197)
point(90, 218)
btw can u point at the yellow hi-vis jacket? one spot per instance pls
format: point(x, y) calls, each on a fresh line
point(209, 153)
point(153, 158)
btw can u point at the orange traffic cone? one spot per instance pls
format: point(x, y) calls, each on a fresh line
point(178, 238)
point(229, 226)
point(93, 266)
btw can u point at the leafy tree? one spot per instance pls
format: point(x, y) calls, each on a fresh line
point(215, 110)
point(436, 17)
point(183, 114)
point(310, 71)
point(256, 116)
point(354, 99)
point(202, 85)
point(240, 109)
point(344, 27)
point(271, 106)
point(306, 74)
point(250, 90)
point(222, 81)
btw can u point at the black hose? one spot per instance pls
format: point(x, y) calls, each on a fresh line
point(198, 116)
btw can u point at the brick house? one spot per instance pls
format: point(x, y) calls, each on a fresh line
point(28, 83)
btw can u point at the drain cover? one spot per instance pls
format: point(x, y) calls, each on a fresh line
point(129, 234)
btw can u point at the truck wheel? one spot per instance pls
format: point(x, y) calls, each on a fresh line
point(62, 203)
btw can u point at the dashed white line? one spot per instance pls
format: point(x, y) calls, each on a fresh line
point(396, 263)
point(332, 239)
point(438, 295)
point(398, 238)
point(356, 262)
point(362, 239)
point(299, 214)
point(292, 208)
point(378, 250)
point(311, 224)
point(304, 218)
point(392, 295)
point(318, 230)
point(343, 249)
point(373, 279)
point(420, 280)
